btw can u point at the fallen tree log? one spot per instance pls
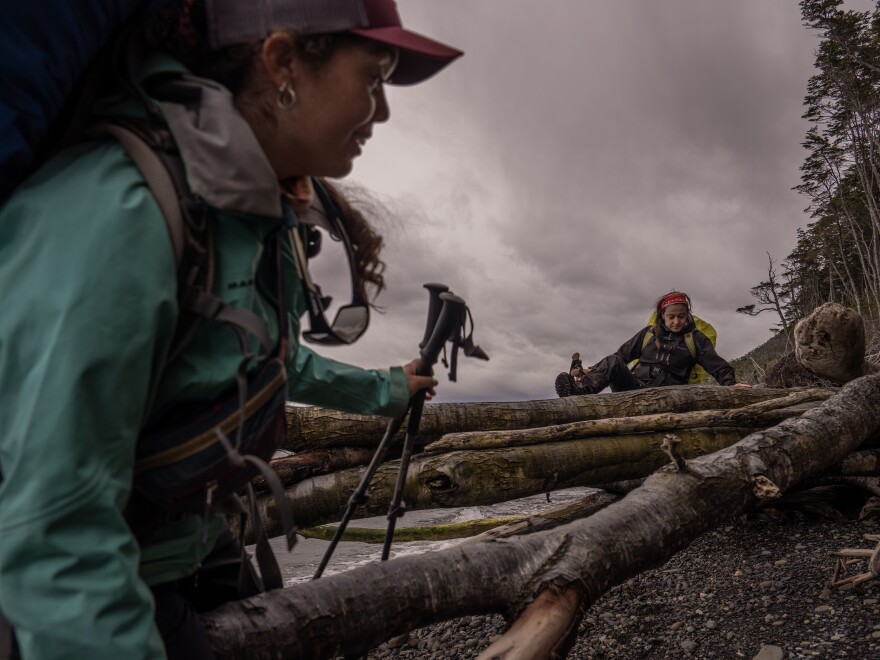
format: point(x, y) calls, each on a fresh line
point(759, 415)
point(466, 478)
point(557, 573)
point(299, 467)
point(830, 342)
point(314, 428)
point(479, 530)
point(538, 522)
point(444, 532)
point(865, 463)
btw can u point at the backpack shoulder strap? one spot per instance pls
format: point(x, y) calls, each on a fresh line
point(689, 342)
point(157, 178)
point(649, 335)
point(190, 232)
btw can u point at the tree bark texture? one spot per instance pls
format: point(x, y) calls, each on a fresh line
point(474, 531)
point(349, 613)
point(830, 342)
point(296, 468)
point(443, 532)
point(314, 428)
point(549, 519)
point(864, 463)
point(758, 415)
point(468, 478)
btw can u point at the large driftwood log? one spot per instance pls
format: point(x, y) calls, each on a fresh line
point(756, 415)
point(442, 532)
point(313, 428)
point(549, 519)
point(860, 463)
point(475, 530)
point(553, 574)
point(466, 478)
point(296, 468)
point(830, 342)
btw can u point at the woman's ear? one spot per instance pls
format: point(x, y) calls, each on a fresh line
point(278, 57)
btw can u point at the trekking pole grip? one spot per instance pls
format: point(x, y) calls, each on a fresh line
point(451, 314)
point(434, 306)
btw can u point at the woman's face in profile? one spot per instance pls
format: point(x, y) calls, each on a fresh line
point(337, 106)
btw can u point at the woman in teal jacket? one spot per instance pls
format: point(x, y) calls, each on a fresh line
point(90, 306)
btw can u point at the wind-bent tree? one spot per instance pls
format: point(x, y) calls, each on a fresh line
point(837, 257)
point(769, 295)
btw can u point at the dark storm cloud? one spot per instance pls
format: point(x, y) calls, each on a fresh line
point(580, 160)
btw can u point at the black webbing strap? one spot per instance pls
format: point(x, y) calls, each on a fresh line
point(210, 306)
point(465, 342)
point(269, 571)
point(8, 647)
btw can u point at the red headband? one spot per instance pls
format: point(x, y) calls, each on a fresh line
point(674, 298)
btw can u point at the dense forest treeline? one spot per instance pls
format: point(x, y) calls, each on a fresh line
point(837, 255)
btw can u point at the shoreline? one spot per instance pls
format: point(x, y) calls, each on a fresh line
point(754, 589)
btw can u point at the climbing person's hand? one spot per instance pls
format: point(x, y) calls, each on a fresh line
point(416, 382)
point(742, 386)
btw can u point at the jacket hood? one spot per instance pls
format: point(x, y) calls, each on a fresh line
point(225, 164)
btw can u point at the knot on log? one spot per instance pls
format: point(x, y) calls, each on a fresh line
point(765, 489)
point(441, 484)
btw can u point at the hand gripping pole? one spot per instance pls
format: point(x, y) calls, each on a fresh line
point(435, 306)
point(450, 318)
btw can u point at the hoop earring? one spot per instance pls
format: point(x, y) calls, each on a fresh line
point(286, 96)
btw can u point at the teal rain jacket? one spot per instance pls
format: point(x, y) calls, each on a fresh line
point(89, 308)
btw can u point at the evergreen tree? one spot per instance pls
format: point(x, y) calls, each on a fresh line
point(837, 257)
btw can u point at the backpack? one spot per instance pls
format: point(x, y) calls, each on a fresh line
point(35, 107)
point(198, 461)
point(698, 374)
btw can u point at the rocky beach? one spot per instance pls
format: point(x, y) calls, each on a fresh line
point(757, 589)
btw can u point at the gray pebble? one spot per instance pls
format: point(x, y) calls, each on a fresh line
point(769, 652)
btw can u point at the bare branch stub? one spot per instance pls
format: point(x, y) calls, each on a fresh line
point(764, 489)
point(670, 446)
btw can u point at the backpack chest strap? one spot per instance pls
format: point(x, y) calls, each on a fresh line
point(688, 341)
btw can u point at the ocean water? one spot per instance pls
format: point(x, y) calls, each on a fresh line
point(300, 564)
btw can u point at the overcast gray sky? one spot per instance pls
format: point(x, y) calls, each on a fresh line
point(583, 158)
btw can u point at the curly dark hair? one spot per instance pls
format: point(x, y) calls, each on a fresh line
point(182, 32)
point(366, 242)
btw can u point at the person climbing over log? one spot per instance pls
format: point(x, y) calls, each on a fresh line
point(667, 351)
point(154, 298)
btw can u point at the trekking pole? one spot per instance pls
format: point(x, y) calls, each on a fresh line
point(359, 496)
point(449, 321)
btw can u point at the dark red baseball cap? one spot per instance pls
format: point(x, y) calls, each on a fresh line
point(233, 21)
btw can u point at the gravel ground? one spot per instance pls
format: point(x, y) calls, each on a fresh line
point(756, 589)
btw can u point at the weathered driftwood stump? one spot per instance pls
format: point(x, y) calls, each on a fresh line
point(830, 342)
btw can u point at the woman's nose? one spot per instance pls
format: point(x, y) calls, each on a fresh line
point(382, 112)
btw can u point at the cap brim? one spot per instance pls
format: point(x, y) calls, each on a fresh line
point(420, 57)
